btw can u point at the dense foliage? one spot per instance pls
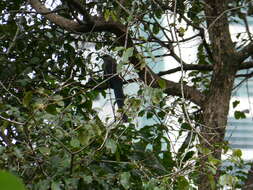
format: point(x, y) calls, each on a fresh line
point(60, 128)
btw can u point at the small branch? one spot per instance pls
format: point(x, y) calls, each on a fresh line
point(247, 26)
point(247, 76)
point(13, 42)
point(5, 138)
point(97, 24)
point(71, 164)
point(11, 121)
point(190, 67)
point(1, 84)
point(245, 52)
point(187, 67)
point(81, 9)
point(34, 12)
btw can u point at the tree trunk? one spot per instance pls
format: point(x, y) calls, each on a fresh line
point(215, 113)
point(249, 182)
point(216, 108)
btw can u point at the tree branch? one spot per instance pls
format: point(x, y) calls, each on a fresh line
point(245, 52)
point(172, 88)
point(187, 67)
point(97, 25)
point(80, 7)
point(145, 74)
point(190, 67)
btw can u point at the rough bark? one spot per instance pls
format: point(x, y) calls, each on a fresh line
point(249, 182)
point(216, 108)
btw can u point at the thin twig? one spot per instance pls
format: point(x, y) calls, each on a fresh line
point(11, 121)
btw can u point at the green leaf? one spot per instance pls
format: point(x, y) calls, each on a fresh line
point(141, 113)
point(237, 153)
point(114, 16)
point(182, 183)
point(167, 160)
point(35, 60)
point(51, 109)
point(75, 143)
point(162, 83)
point(111, 145)
point(181, 31)
point(23, 82)
point(156, 28)
point(156, 95)
point(213, 161)
point(27, 70)
point(124, 180)
point(158, 13)
point(27, 98)
point(57, 98)
point(239, 115)
point(18, 152)
point(161, 114)
point(227, 179)
point(127, 54)
point(119, 48)
point(84, 136)
point(235, 103)
point(87, 179)
point(188, 156)
point(142, 64)
point(10, 182)
point(186, 126)
point(204, 150)
point(212, 182)
point(150, 115)
point(55, 186)
point(60, 103)
point(107, 15)
point(2, 148)
point(44, 150)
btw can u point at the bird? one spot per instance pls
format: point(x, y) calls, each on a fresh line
point(115, 81)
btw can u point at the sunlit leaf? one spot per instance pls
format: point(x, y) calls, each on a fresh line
point(44, 150)
point(182, 183)
point(227, 179)
point(55, 186)
point(87, 179)
point(125, 180)
point(162, 83)
point(111, 145)
point(127, 54)
point(27, 98)
point(237, 153)
point(75, 142)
